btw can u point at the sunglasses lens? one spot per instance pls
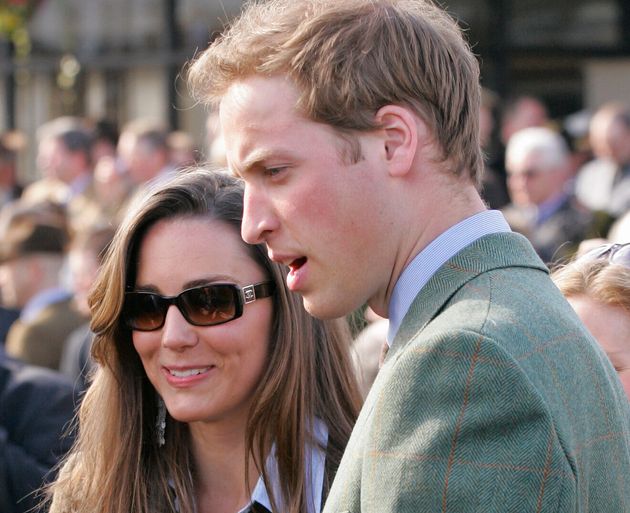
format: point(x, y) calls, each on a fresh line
point(144, 311)
point(621, 256)
point(214, 304)
point(596, 253)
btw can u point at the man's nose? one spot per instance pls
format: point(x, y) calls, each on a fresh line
point(258, 216)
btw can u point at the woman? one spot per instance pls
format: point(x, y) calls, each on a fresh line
point(597, 285)
point(252, 386)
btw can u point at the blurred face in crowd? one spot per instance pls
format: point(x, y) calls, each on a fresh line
point(48, 158)
point(532, 182)
point(141, 161)
point(610, 325)
point(315, 208)
point(610, 137)
point(56, 161)
point(203, 373)
point(16, 277)
point(618, 142)
point(527, 112)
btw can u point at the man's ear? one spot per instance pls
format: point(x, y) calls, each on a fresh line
point(400, 137)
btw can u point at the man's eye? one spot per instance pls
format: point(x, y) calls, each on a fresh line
point(273, 171)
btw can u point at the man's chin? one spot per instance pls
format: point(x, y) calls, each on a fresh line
point(322, 309)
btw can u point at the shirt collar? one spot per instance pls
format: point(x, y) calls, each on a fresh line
point(315, 465)
point(430, 259)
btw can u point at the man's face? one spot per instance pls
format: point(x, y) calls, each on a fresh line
point(319, 212)
point(58, 162)
point(15, 282)
point(618, 143)
point(142, 162)
point(531, 182)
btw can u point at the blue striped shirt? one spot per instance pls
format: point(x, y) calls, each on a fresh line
point(437, 253)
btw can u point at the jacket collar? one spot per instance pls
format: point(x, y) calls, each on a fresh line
point(494, 251)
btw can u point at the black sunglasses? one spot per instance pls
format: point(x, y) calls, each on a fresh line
point(207, 305)
point(615, 253)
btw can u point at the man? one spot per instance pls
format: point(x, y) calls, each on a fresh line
point(143, 149)
point(65, 154)
point(64, 160)
point(604, 182)
point(543, 206)
point(32, 252)
point(355, 128)
point(522, 112)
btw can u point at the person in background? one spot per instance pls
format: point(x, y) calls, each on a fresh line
point(144, 152)
point(104, 135)
point(520, 112)
point(543, 206)
point(182, 151)
point(85, 254)
point(354, 126)
point(597, 286)
point(32, 255)
point(215, 390)
point(69, 157)
point(64, 160)
point(114, 190)
point(603, 184)
point(36, 408)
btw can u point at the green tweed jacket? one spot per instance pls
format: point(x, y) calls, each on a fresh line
point(492, 398)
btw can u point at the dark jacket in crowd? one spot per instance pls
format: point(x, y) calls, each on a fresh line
point(7, 317)
point(36, 407)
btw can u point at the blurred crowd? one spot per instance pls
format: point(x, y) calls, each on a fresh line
point(561, 183)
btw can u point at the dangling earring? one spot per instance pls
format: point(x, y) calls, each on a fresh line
point(160, 423)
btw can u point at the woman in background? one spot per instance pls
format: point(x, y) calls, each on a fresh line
point(597, 285)
point(216, 391)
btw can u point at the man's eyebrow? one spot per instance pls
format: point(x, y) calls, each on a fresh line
point(257, 159)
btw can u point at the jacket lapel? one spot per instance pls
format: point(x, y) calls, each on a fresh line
point(490, 252)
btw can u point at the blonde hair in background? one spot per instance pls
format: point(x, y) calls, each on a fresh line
point(116, 465)
point(350, 58)
point(597, 279)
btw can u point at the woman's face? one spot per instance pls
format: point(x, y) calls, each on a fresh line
point(203, 373)
point(610, 325)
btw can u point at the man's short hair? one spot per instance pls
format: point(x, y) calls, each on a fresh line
point(350, 58)
point(77, 141)
point(150, 134)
